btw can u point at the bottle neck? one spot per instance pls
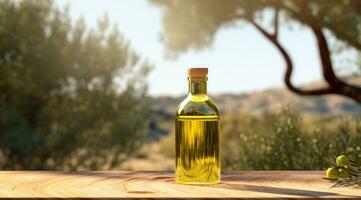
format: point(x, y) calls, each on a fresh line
point(199, 87)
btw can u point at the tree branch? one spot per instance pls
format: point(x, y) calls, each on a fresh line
point(339, 86)
point(276, 19)
point(289, 66)
point(335, 85)
point(326, 62)
point(264, 32)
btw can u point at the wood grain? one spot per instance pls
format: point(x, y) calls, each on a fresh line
point(120, 184)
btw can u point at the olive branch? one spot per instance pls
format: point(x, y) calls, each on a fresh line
point(352, 179)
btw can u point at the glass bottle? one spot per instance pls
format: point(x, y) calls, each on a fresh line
point(197, 134)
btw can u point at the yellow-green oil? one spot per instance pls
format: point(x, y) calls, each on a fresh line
point(197, 138)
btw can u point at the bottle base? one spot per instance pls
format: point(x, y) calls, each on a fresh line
point(197, 183)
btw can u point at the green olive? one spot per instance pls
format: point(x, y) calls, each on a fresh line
point(342, 161)
point(343, 173)
point(332, 173)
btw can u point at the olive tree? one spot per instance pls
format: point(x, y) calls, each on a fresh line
point(71, 97)
point(193, 24)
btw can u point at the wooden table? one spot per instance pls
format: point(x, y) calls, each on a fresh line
point(160, 184)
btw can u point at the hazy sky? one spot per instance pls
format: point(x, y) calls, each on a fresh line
point(240, 59)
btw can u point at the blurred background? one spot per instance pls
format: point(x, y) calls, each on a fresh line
point(94, 85)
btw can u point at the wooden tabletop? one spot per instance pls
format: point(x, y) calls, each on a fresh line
point(160, 184)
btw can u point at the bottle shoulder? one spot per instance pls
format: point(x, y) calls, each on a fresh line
point(197, 105)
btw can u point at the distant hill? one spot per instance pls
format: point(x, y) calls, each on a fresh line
point(268, 100)
point(258, 102)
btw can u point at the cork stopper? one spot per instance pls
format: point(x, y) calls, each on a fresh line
point(197, 74)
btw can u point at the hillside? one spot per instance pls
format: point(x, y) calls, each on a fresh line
point(269, 100)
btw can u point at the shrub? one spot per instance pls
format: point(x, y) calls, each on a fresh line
point(289, 146)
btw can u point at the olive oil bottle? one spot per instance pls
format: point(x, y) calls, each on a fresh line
point(197, 134)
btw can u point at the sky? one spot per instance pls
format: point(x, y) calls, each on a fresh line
point(239, 60)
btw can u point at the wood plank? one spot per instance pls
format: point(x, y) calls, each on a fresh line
point(160, 184)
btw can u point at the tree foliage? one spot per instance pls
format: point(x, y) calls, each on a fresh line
point(193, 24)
point(70, 97)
